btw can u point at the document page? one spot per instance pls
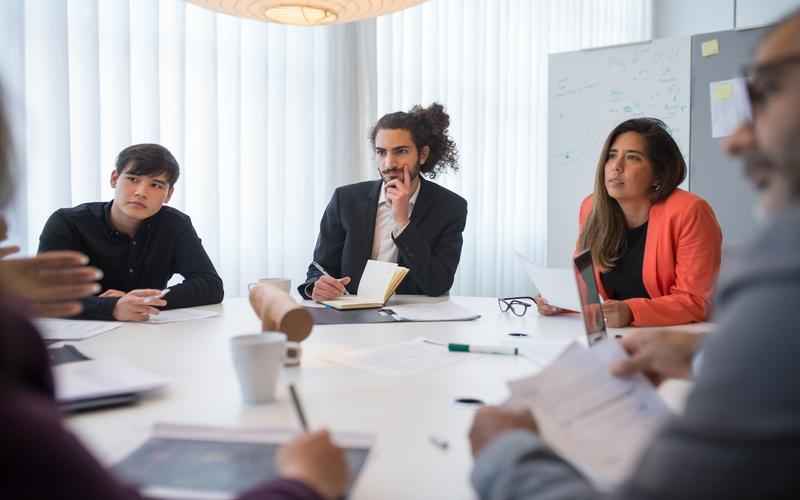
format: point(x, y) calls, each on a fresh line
point(597, 421)
point(404, 358)
point(557, 285)
point(73, 329)
point(434, 311)
point(177, 315)
point(102, 377)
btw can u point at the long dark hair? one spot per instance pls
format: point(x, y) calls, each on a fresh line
point(604, 231)
point(428, 127)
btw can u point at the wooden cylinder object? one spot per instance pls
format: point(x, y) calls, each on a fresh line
point(280, 312)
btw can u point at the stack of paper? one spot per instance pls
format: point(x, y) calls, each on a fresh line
point(73, 329)
point(91, 381)
point(595, 420)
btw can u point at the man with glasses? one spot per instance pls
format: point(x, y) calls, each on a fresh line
point(739, 436)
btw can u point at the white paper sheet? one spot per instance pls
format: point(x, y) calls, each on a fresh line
point(73, 329)
point(556, 285)
point(597, 421)
point(405, 358)
point(730, 106)
point(102, 377)
point(177, 315)
point(433, 311)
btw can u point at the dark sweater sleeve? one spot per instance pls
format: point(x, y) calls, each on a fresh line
point(43, 460)
point(58, 234)
point(40, 457)
point(201, 285)
point(433, 267)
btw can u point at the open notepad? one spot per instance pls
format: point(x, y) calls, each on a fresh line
point(378, 284)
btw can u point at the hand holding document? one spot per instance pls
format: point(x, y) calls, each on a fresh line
point(556, 285)
point(597, 421)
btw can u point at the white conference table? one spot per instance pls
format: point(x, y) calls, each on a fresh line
point(403, 412)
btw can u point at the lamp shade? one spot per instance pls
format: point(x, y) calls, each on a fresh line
point(307, 12)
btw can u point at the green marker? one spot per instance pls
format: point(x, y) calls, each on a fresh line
point(486, 349)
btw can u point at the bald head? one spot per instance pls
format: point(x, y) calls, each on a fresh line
point(782, 40)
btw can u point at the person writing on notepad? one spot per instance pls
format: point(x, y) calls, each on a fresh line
point(137, 241)
point(656, 248)
point(41, 457)
point(401, 218)
point(738, 436)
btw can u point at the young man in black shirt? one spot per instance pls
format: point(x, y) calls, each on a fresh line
point(137, 242)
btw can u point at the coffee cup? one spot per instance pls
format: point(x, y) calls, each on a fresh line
point(257, 359)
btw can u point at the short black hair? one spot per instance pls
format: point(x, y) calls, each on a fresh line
point(428, 127)
point(149, 159)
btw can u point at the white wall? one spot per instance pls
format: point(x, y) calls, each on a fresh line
point(690, 17)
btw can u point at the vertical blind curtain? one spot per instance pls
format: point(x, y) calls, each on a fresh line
point(266, 120)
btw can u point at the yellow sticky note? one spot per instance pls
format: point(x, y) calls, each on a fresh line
point(723, 91)
point(710, 48)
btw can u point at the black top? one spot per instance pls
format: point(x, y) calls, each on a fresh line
point(624, 281)
point(430, 246)
point(164, 245)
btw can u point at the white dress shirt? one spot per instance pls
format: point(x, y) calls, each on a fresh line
point(383, 247)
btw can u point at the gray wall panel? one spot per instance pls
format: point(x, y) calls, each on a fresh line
point(712, 175)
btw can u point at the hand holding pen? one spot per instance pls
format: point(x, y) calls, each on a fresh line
point(327, 287)
point(314, 459)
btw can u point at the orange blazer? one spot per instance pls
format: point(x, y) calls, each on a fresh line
point(682, 254)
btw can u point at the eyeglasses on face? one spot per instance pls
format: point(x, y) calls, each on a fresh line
point(765, 80)
point(517, 305)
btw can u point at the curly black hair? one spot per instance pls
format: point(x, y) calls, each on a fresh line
point(428, 127)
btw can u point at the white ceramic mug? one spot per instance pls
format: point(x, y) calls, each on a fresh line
point(280, 283)
point(257, 359)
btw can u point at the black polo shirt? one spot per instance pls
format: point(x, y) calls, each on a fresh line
point(165, 244)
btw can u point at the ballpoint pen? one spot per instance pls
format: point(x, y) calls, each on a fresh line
point(326, 273)
point(298, 407)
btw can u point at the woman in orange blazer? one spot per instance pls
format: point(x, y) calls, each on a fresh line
point(656, 248)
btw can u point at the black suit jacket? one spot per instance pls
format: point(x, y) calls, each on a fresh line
point(430, 246)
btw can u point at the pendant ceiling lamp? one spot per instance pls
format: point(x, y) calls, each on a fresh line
point(307, 12)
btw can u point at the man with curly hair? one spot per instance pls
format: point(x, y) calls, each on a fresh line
point(400, 218)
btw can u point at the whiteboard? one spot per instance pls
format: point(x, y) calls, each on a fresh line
point(592, 91)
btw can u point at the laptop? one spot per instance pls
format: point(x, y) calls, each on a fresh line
point(591, 308)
